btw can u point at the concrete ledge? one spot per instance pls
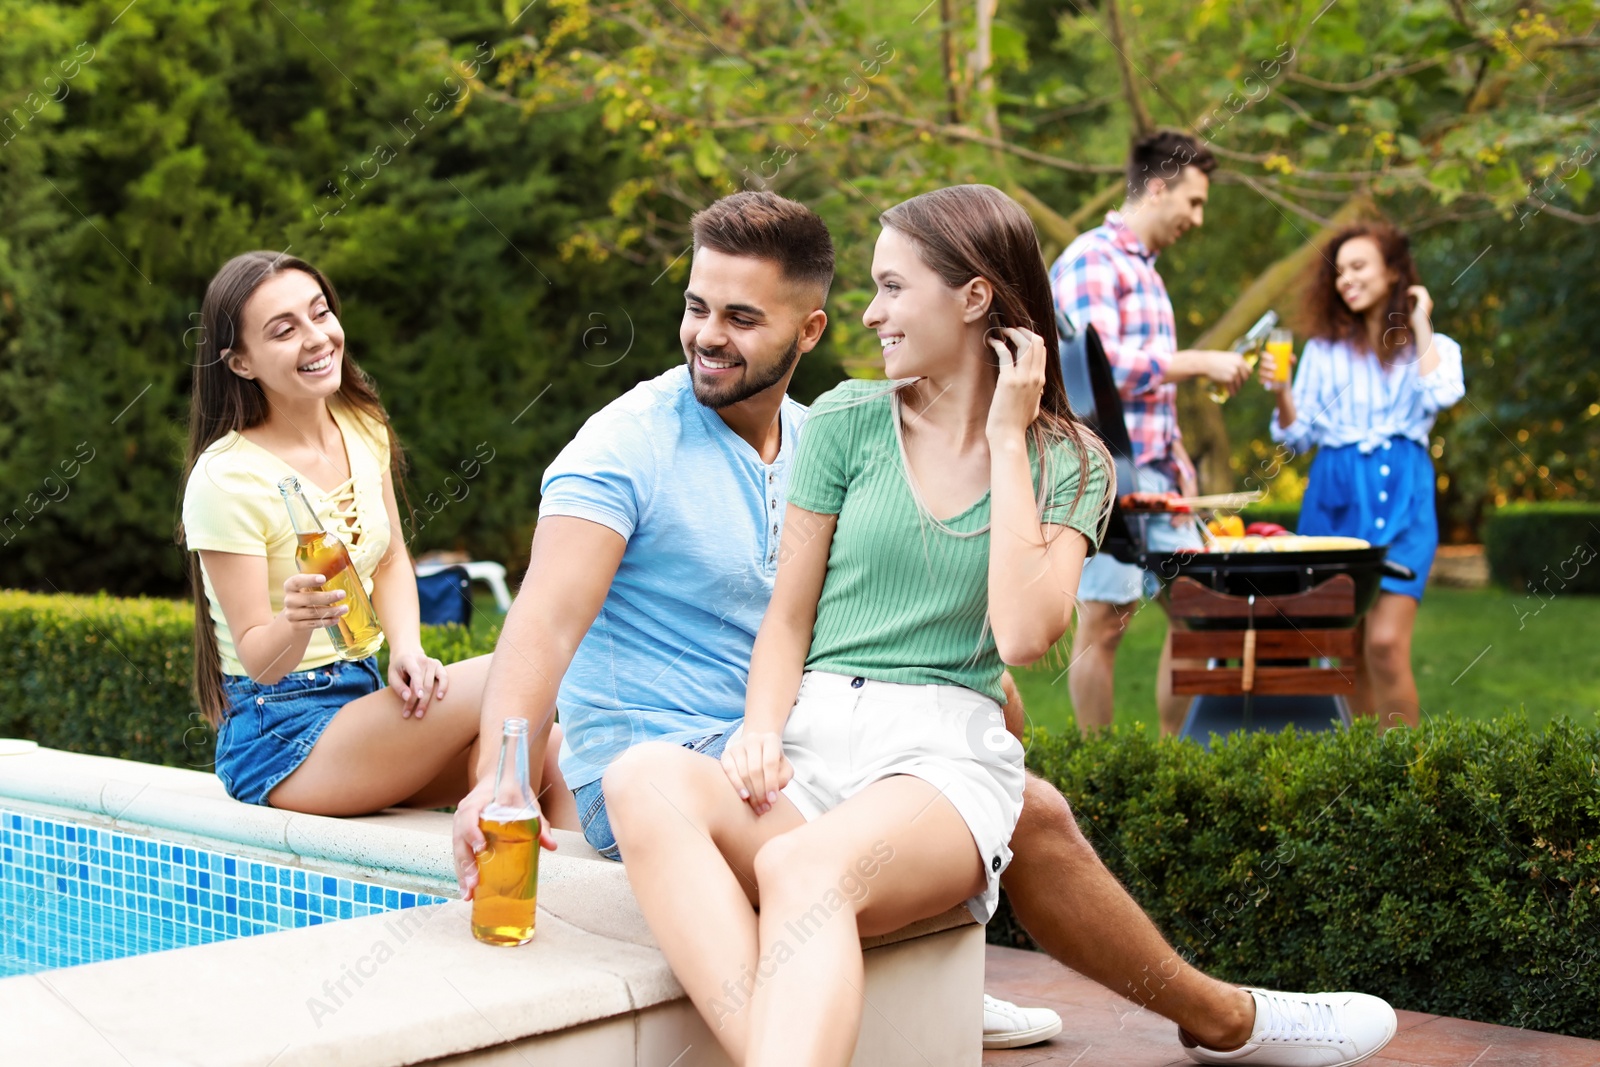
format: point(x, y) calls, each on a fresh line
point(413, 986)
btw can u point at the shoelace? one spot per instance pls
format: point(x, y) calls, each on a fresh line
point(1296, 1020)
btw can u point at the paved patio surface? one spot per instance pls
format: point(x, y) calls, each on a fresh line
point(1103, 1030)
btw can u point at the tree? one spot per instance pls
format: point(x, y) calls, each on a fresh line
point(1437, 114)
point(193, 130)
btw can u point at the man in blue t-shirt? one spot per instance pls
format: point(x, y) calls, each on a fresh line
point(652, 565)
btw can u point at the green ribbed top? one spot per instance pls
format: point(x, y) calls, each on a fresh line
point(904, 600)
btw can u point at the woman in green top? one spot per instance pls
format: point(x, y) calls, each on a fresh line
point(935, 531)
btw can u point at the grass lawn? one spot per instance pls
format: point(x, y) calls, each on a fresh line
point(1547, 667)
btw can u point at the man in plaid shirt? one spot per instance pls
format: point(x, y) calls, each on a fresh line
point(1107, 279)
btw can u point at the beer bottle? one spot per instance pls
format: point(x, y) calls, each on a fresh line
point(356, 634)
point(505, 902)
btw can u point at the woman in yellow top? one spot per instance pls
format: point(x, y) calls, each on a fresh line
point(275, 395)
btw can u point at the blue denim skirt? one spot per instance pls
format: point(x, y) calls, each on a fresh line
point(268, 730)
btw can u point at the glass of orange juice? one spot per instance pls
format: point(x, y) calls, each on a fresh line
point(1280, 346)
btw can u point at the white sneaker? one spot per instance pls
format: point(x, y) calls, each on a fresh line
point(1005, 1025)
point(1307, 1030)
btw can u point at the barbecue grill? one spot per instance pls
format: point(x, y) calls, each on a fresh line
point(1284, 617)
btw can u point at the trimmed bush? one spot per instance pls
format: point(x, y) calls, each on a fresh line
point(110, 676)
point(1545, 548)
point(1454, 869)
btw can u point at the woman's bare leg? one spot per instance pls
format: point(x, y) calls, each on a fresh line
point(370, 758)
point(896, 852)
point(1387, 663)
point(689, 845)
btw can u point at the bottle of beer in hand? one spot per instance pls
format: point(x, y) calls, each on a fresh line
point(505, 902)
point(356, 634)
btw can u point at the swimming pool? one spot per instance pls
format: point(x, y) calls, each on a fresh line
point(72, 893)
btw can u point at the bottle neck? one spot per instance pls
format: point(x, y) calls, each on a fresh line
point(301, 514)
point(513, 787)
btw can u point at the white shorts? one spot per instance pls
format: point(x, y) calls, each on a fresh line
point(845, 733)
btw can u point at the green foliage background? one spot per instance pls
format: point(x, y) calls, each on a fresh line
point(512, 185)
point(200, 130)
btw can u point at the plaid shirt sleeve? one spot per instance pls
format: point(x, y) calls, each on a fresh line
point(1090, 290)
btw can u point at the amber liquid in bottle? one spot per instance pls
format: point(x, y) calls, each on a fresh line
point(505, 903)
point(507, 895)
point(356, 634)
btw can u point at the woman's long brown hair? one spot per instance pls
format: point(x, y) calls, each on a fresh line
point(1330, 318)
point(976, 231)
point(221, 402)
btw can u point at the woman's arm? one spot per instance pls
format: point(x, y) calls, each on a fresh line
point(1422, 330)
point(414, 675)
point(1033, 567)
point(269, 646)
point(755, 765)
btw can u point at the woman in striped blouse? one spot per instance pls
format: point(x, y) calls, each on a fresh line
point(1373, 376)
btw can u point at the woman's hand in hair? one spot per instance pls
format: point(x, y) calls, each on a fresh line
point(1422, 329)
point(418, 679)
point(1021, 385)
point(1421, 307)
point(307, 606)
point(756, 766)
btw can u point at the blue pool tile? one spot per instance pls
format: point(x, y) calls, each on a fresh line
point(110, 894)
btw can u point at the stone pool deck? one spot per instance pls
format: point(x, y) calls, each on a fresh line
point(1102, 1030)
point(414, 987)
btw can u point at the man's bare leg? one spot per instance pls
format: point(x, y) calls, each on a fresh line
point(1172, 710)
point(1094, 661)
point(1079, 913)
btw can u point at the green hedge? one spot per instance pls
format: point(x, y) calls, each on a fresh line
point(1452, 870)
point(110, 676)
point(1545, 548)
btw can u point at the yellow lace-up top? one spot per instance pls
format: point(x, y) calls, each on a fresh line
point(232, 504)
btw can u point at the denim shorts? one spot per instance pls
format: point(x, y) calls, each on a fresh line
point(592, 799)
point(1108, 580)
point(268, 730)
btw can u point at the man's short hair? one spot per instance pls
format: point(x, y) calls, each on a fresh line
point(763, 225)
point(1164, 155)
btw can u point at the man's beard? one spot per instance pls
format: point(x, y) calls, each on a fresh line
point(754, 380)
